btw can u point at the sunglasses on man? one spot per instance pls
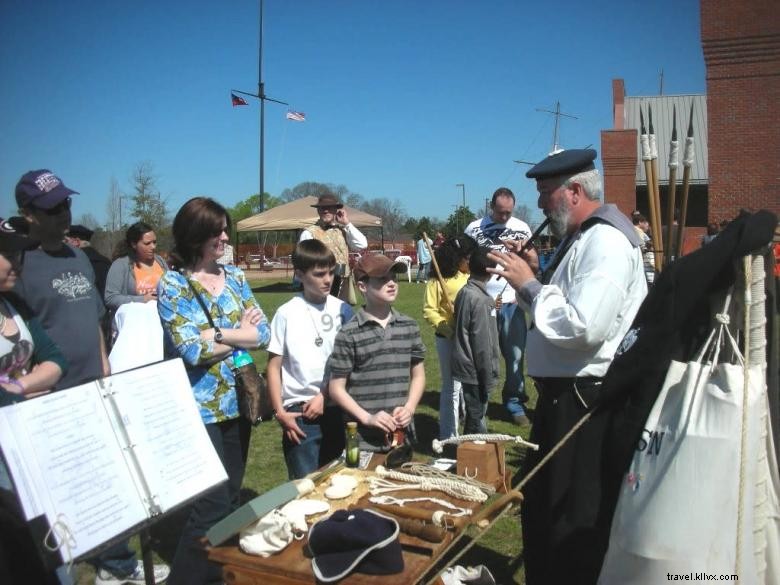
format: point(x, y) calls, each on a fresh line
point(61, 207)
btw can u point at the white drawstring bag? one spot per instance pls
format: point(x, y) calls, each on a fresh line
point(679, 505)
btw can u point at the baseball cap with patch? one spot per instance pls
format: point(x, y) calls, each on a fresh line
point(41, 189)
point(376, 265)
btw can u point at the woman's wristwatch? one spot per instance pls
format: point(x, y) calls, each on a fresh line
point(218, 335)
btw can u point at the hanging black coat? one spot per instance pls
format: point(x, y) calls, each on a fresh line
point(671, 324)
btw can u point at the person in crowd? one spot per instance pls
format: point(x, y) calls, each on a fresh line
point(30, 364)
point(423, 259)
point(200, 232)
point(58, 284)
point(475, 357)
point(492, 232)
point(712, 232)
point(377, 371)
point(302, 334)
point(334, 229)
point(80, 236)
point(581, 307)
point(642, 228)
point(134, 275)
point(438, 240)
point(452, 259)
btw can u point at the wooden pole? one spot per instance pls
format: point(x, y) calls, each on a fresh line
point(646, 158)
point(671, 249)
point(438, 274)
point(656, 188)
point(688, 156)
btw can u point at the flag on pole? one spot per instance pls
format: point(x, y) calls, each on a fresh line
point(296, 116)
point(237, 100)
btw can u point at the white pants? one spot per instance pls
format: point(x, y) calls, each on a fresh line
point(449, 398)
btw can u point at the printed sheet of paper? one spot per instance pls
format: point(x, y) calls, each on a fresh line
point(64, 456)
point(162, 421)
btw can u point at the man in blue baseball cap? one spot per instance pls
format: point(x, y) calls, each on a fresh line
point(581, 306)
point(58, 283)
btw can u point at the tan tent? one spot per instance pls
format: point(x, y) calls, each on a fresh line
point(299, 214)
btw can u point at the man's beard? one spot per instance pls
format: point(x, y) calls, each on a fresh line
point(559, 219)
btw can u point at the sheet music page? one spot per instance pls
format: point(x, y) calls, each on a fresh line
point(163, 422)
point(67, 463)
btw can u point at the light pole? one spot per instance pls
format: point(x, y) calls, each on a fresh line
point(463, 191)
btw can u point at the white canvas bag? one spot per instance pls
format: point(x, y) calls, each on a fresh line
point(678, 506)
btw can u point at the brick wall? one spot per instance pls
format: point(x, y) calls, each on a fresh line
point(619, 158)
point(741, 43)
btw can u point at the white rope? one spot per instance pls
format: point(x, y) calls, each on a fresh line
point(400, 502)
point(674, 150)
point(380, 485)
point(653, 147)
point(423, 470)
point(438, 445)
point(63, 538)
point(645, 142)
point(688, 153)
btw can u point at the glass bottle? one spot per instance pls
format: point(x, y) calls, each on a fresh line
point(352, 458)
point(242, 357)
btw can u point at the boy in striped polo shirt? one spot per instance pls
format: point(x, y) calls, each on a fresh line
point(376, 368)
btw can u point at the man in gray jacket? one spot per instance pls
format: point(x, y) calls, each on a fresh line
point(475, 356)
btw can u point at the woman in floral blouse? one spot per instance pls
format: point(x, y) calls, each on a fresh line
point(200, 231)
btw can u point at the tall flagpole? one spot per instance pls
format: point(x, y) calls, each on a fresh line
point(263, 98)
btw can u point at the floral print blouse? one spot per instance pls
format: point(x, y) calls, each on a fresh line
point(183, 319)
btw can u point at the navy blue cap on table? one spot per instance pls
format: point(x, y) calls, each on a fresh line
point(41, 189)
point(355, 541)
point(563, 162)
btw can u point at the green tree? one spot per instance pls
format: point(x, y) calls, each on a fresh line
point(458, 220)
point(148, 205)
point(247, 208)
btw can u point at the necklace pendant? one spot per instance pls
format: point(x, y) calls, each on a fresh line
point(318, 341)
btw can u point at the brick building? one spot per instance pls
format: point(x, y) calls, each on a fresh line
point(737, 123)
point(741, 43)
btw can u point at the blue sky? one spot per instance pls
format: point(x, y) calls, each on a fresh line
point(404, 99)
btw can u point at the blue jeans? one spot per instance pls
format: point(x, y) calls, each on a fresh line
point(512, 332)
point(476, 400)
point(118, 559)
point(449, 397)
point(422, 272)
point(190, 565)
point(323, 443)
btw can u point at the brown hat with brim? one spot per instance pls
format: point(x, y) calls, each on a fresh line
point(376, 265)
point(328, 200)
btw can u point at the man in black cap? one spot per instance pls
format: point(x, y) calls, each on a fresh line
point(80, 236)
point(581, 307)
point(334, 229)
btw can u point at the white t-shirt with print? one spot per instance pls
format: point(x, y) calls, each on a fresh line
point(294, 330)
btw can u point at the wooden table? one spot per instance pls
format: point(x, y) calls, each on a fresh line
point(292, 566)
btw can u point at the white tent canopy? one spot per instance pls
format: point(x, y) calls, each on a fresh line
point(299, 214)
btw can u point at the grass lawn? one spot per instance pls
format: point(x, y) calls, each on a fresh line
point(499, 550)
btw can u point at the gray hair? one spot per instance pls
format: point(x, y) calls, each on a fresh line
point(591, 183)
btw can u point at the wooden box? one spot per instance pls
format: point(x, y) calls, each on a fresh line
point(482, 461)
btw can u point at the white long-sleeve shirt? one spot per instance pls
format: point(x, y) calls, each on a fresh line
point(581, 316)
point(355, 238)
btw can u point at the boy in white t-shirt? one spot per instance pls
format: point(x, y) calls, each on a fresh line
point(302, 334)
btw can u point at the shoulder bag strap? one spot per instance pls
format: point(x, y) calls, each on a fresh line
point(201, 303)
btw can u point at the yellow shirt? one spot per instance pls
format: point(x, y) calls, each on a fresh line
point(435, 309)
